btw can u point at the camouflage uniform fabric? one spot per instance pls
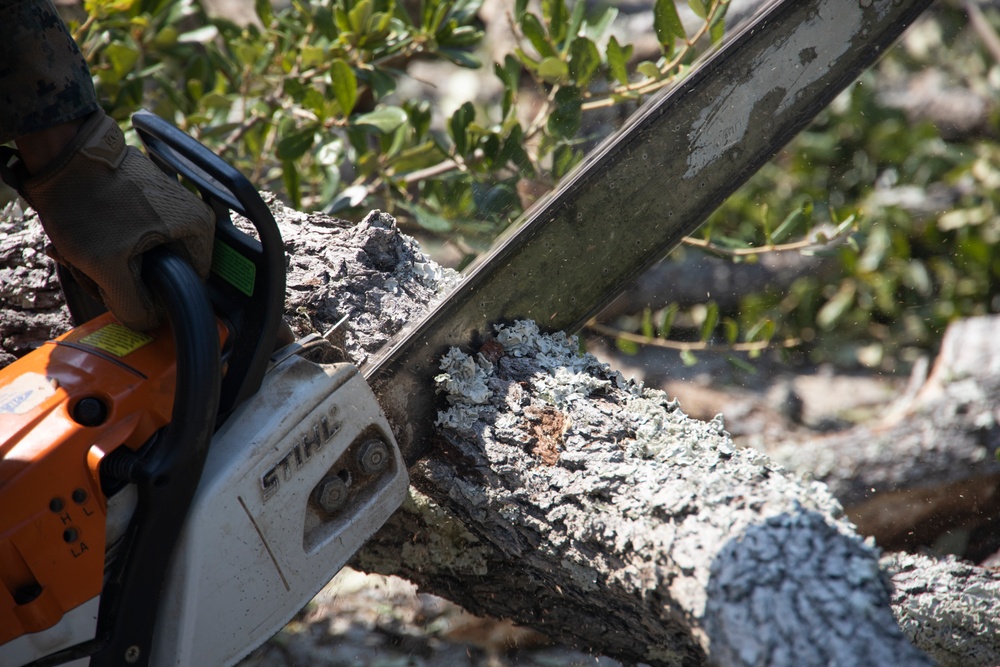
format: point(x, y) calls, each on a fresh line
point(44, 79)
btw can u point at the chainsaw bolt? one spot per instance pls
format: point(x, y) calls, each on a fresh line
point(132, 654)
point(373, 457)
point(331, 494)
point(90, 411)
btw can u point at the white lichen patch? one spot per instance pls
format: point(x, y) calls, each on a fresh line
point(464, 378)
point(551, 351)
point(669, 435)
point(564, 386)
point(463, 383)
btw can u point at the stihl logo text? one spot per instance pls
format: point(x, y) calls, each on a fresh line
point(306, 444)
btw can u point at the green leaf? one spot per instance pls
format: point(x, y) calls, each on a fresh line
point(513, 151)
point(520, 7)
point(533, 30)
point(627, 347)
point(564, 158)
point(584, 59)
point(617, 59)
point(322, 19)
point(419, 114)
point(667, 317)
point(122, 59)
point(344, 84)
point(666, 22)
point(458, 126)
point(417, 157)
point(348, 198)
point(553, 70)
point(576, 19)
point(564, 121)
point(381, 83)
point(763, 330)
point(731, 329)
point(509, 72)
point(711, 319)
point(557, 17)
point(837, 306)
point(688, 357)
point(264, 12)
point(717, 31)
point(294, 145)
point(647, 323)
point(201, 35)
point(741, 365)
point(359, 15)
point(596, 30)
point(463, 11)
point(648, 70)
point(429, 221)
point(792, 225)
point(461, 57)
point(292, 181)
point(462, 36)
point(384, 120)
point(698, 7)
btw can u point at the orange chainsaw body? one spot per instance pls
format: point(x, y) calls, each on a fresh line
point(62, 409)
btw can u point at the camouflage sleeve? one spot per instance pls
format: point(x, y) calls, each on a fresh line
point(44, 80)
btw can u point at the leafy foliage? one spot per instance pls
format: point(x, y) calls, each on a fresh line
point(307, 100)
point(310, 102)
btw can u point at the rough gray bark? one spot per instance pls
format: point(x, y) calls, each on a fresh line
point(947, 607)
point(566, 498)
point(928, 466)
point(30, 297)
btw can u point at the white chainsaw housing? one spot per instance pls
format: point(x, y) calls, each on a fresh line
point(257, 545)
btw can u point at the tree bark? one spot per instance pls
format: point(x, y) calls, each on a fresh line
point(568, 499)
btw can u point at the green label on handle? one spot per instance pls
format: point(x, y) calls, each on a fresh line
point(233, 267)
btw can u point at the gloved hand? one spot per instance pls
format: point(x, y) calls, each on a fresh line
point(102, 204)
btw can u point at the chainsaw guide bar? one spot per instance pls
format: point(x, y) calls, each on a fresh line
point(644, 189)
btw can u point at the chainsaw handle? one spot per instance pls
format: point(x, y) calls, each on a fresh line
point(167, 478)
point(225, 189)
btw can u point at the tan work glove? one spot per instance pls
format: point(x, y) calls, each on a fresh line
point(103, 203)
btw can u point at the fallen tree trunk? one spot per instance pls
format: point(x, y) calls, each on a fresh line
point(929, 465)
point(566, 498)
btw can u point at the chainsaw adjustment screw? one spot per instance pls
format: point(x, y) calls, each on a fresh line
point(132, 654)
point(373, 456)
point(331, 494)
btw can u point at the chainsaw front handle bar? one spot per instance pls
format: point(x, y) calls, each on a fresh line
point(167, 476)
point(262, 296)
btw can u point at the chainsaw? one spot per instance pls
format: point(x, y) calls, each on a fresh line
point(174, 498)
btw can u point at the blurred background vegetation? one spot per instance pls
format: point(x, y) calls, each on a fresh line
point(455, 116)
